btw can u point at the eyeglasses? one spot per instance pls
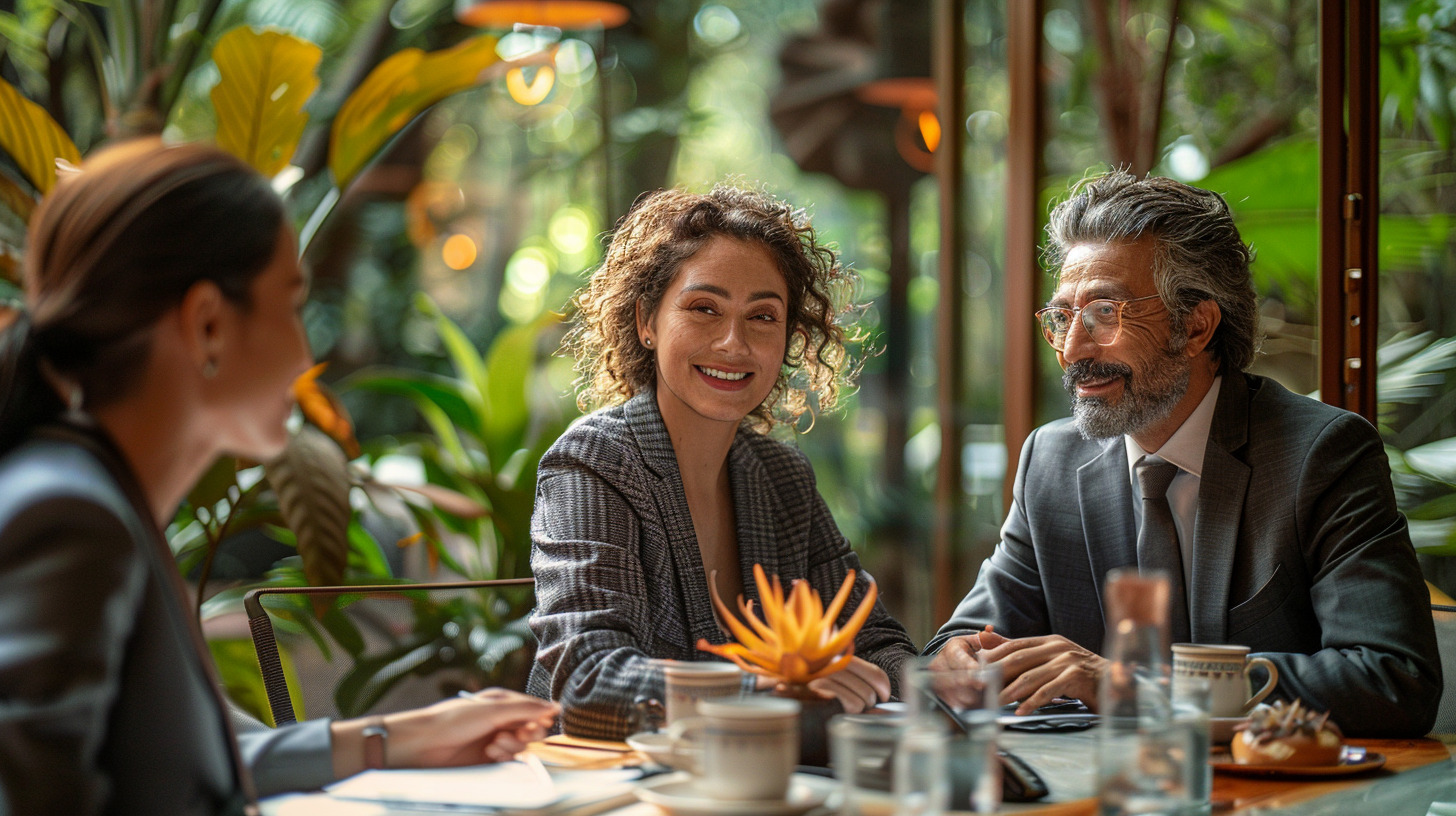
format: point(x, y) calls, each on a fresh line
point(1102, 320)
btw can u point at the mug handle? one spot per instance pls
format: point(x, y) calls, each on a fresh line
point(681, 734)
point(1268, 685)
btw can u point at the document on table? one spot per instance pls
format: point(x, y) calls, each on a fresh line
point(504, 786)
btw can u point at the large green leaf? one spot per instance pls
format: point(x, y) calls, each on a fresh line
point(510, 361)
point(267, 77)
point(311, 478)
point(32, 138)
point(394, 93)
point(469, 365)
point(422, 387)
point(1435, 460)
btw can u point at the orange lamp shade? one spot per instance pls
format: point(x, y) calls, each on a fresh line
point(564, 14)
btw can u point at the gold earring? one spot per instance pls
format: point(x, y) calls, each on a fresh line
point(647, 341)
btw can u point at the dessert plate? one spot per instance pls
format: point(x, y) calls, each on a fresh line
point(678, 794)
point(1349, 764)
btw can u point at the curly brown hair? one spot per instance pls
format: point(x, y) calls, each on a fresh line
point(651, 242)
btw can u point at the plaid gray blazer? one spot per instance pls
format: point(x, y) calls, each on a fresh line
point(619, 578)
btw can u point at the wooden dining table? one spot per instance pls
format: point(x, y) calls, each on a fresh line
point(1064, 762)
point(1418, 778)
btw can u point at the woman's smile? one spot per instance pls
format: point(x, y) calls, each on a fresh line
point(728, 380)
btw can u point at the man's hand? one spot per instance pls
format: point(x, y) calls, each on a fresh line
point(1037, 669)
point(858, 686)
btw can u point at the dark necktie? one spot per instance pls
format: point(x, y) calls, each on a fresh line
point(1157, 542)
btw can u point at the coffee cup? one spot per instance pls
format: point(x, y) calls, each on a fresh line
point(688, 682)
point(740, 748)
point(1226, 667)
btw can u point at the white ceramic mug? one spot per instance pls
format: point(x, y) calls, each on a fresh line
point(741, 748)
point(688, 682)
point(1226, 667)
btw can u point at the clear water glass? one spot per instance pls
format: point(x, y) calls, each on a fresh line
point(888, 765)
point(967, 701)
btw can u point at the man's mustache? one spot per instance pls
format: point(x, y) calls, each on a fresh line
point(1084, 370)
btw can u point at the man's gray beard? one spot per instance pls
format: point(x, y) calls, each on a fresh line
point(1143, 403)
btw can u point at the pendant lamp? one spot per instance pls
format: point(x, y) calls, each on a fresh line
point(568, 15)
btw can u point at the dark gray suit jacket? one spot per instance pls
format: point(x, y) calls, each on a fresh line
point(107, 704)
point(619, 578)
point(1300, 554)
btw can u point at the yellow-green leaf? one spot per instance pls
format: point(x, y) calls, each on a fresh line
point(32, 138)
point(397, 91)
point(267, 77)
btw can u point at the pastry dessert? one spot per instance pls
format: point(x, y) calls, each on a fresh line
point(1287, 734)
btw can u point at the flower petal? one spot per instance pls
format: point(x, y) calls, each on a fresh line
point(845, 637)
point(743, 633)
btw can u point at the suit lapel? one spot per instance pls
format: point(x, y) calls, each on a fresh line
point(645, 421)
point(1104, 491)
point(1221, 494)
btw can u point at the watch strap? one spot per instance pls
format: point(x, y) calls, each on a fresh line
point(376, 742)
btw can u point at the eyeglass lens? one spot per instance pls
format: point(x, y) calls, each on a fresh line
point(1100, 319)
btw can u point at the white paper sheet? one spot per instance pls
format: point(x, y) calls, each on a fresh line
point(513, 786)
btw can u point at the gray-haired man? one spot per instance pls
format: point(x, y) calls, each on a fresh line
point(1278, 526)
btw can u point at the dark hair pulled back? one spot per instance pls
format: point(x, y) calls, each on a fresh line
point(112, 249)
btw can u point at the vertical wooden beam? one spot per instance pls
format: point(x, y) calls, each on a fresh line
point(1332, 202)
point(1349, 151)
point(1023, 180)
point(949, 49)
point(1362, 207)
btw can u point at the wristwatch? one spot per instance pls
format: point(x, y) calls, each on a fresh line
point(376, 739)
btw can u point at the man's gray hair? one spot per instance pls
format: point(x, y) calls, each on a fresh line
point(1199, 255)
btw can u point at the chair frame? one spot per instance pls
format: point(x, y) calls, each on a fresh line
point(265, 643)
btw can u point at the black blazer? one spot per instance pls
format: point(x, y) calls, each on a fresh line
point(106, 703)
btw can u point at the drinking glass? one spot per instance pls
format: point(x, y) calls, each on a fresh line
point(1192, 706)
point(889, 765)
point(968, 700)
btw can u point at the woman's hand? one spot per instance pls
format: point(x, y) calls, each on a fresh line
point(491, 726)
point(858, 686)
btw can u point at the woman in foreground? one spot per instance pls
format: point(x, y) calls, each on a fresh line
point(712, 317)
point(161, 329)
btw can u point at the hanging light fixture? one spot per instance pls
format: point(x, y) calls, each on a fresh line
point(545, 20)
point(902, 80)
point(568, 15)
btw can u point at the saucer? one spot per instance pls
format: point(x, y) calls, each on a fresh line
point(1221, 729)
point(678, 795)
point(1345, 767)
point(657, 746)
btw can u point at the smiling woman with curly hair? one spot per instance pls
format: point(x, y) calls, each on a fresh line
point(667, 228)
point(712, 318)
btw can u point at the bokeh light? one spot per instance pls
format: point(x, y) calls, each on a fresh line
point(458, 252)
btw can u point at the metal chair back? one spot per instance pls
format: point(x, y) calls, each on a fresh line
point(384, 618)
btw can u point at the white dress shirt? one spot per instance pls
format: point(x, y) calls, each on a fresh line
point(1185, 449)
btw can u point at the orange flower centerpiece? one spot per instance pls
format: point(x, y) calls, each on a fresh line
point(795, 641)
